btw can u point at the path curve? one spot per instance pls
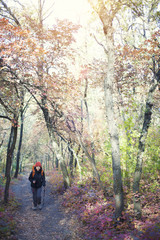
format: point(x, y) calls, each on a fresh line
point(50, 223)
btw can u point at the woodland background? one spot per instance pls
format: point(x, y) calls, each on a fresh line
point(83, 98)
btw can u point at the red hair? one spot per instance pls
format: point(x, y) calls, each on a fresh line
point(38, 164)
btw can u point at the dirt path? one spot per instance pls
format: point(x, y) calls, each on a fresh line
point(50, 223)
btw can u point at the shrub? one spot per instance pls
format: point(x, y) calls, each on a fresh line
point(56, 179)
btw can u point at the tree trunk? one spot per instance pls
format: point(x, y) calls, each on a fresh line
point(19, 147)
point(10, 150)
point(66, 179)
point(2, 140)
point(90, 131)
point(93, 164)
point(20, 165)
point(127, 181)
point(57, 163)
point(113, 131)
point(107, 20)
point(71, 161)
point(141, 149)
point(77, 162)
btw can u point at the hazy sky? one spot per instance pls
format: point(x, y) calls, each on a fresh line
point(72, 9)
point(75, 10)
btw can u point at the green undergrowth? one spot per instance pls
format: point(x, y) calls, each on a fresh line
point(95, 212)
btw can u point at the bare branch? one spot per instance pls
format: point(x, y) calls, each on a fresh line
point(10, 12)
point(106, 51)
point(6, 117)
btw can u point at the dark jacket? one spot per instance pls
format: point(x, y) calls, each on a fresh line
point(38, 177)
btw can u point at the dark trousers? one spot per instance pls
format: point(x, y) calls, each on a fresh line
point(36, 196)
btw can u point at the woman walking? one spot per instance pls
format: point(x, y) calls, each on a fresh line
point(37, 179)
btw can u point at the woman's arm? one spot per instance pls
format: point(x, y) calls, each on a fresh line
point(30, 177)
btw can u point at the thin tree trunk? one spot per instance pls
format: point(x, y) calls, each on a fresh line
point(10, 150)
point(2, 140)
point(59, 156)
point(77, 162)
point(141, 149)
point(19, 147)
point(92, 161)
point(20, 165)
point(78, 150)
point(127, 132)
point(57, 163)
point(90, 132)
point(71, 161)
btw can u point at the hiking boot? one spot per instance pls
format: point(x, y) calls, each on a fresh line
point(40, 206)
point(34, 208)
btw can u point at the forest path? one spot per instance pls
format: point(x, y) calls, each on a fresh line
point(50, 223)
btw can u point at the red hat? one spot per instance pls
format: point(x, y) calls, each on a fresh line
point(38, 164)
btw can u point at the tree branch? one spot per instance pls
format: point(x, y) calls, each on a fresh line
point(6, 117)
point(10, 12)
point(106, 51)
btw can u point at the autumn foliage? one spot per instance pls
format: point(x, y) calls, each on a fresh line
point(96, 213)
point(38, 64)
